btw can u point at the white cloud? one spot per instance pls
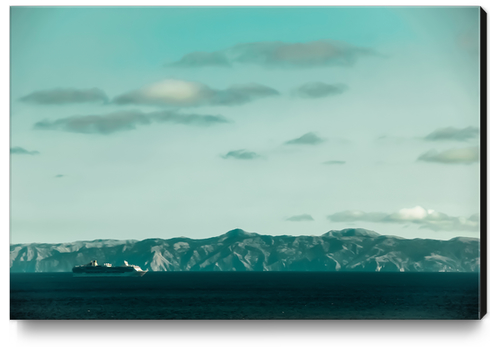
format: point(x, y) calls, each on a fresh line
point(409, 214)
point(468, 155)
point(425, 218)
point(174, 92)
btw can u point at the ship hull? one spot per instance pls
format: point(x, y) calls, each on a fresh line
point(102, 274)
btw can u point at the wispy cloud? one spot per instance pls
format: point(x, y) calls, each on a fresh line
point(357, 216)
point(59, 176)
point(315, 90)
point(425, 218)
point(242, 93)
point(306, 139)
point(334, 162)
point(62, 96)
point(199, 59)
point(125, 120)
point(300, 218)
point(173, 92)
point(20, 150)
point(279, 54)
point(241, 154)
point(468, 155)
point(453, 134)
point(186, 119)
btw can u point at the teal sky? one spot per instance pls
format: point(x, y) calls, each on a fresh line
point(133, 123)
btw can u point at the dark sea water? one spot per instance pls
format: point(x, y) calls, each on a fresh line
point(246, 295)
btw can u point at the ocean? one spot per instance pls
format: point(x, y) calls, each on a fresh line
point(245, 295)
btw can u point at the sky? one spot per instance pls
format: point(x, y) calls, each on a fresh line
point(134, 123)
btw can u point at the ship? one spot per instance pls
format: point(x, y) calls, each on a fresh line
point(94, 269)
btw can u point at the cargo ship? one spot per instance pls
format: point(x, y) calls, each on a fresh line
point(94, 269)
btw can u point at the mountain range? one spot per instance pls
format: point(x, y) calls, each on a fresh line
point(238, 250)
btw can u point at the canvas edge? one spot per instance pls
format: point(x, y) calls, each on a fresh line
point(483, 164)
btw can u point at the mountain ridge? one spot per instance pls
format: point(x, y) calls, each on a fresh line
point(238, 250)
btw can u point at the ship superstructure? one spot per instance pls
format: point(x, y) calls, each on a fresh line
point(94, 269)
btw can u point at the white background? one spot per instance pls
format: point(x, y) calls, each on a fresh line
point(213, 333)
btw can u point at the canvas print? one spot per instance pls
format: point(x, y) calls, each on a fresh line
point(247, 163)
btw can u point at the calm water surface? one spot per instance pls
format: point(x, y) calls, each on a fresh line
point(246, 295)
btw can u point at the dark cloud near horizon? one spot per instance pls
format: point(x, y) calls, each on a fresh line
point(300, 218)
point(241, 154)
point(20, 150)
point(334, 162)
point(306, 139)
point(315, 90)
point(466, 156)
point(453, 134)
point(172, 92)
point(60, 96)
point(279, 54)
point(426, 219)
point(125, 120)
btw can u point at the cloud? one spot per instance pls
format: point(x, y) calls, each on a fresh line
point(416, 213)
point(187, 119)
point(241, 154)
point(453, 134)
point(242, 93)
point(59, 176)
point(96, 124)
point(315, 90)
point(125, 120)
point(168, 92)
point(440, 221)
point(300, 218)
point(279, 54)
point(173, 92)
point(426, 219)
point(61, 96)
point(334, 162)
point(197, 59)
point(357, 216)
point(307, 139)
point(452, 156)
point(20, 150)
